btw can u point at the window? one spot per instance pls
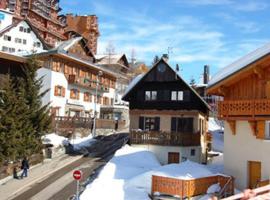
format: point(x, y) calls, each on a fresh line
point(37, 44)
point(182, 125)
point(24, 41)
point(87, 97)
point(150, 95)
point(149, 123)
point(28, 30)
point(59, 91)
point(192, 152)
point(267, 130)
point(177, 95)
point(21, 28)
point(7, 37)
point(11, 50)
point(18, 40)
point(74, 94)
point(5, 49)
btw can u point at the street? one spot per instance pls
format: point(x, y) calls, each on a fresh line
point(61, 185)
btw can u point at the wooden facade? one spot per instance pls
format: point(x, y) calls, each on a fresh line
point(246, 96)
point(166, 110)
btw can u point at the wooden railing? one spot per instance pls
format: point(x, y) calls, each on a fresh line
point(84, 82)
point(190, 188)
point(244, 108)
point(263, 183)
point(165, 138)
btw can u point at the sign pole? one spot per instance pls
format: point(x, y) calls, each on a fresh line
point(77, 175)
point(78, 190)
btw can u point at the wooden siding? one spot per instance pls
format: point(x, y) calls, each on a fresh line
point(165, 138)
point(193, 187)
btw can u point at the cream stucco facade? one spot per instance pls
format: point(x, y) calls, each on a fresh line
point(241, 148)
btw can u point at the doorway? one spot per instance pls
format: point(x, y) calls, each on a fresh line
point(254, 173)
point(173, 157)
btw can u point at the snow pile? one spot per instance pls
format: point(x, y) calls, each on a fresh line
point(79, 143)
point(217, 165)
point(127, 162)
point(54, 139)
point(185, 170)
point(217, 135)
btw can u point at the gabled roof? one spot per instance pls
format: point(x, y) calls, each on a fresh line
point(134, 84)
point(15, 24)
point(111, 59)
point(240, 64)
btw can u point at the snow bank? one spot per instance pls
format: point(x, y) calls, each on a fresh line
point(213, 126)
point(217, 135)
point(126, 163)
point(54, 139)
point(79, 143)
point(185, 170)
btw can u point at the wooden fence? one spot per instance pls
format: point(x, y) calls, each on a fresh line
point(69, 124)
point(193, 187)
point(165, 138)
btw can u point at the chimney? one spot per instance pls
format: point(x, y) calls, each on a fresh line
point(206, 74)
point(165, 57)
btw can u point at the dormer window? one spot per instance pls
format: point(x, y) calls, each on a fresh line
point(177, 96)
point(150, 95)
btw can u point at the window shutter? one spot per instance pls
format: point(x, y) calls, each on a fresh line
point(261, 129)
point(141, 123)
point(173, 124)
point(63, 92)
point(157, 123)
point(186, 95)
point(55, 90)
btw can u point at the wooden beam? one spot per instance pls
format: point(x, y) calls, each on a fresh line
point(232, 125)
point(253, 126)
point(259, 72)
point(223, 90)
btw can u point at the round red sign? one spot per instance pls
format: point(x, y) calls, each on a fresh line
point(77, 175)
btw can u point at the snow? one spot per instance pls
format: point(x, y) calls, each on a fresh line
point(217, 135)
point(127, 176)
point(133, 83)
point(54, 139)
point(79, 142)
point(217, 165)
point(213, 188)
point(240, 64)
point(126, 163)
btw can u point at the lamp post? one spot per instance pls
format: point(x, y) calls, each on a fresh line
point(100, 73)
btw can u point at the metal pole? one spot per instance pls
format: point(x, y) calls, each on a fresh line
point(78, 192)
point(95, 109)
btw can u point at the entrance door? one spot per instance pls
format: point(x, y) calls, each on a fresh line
point(173, 157)
point(254, 169)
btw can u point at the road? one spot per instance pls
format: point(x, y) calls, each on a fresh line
point(60, 185)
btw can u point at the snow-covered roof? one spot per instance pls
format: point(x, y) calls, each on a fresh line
point(108, 59)
point(133, 83)
point(240, 64)
point(65, 45)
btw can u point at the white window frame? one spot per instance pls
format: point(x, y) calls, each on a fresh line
point(177, 95)
point(267, 130)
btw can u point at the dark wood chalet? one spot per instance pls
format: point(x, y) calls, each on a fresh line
point(166, 111)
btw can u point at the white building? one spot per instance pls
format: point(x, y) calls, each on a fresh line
point(71, 77)
point(19, 38)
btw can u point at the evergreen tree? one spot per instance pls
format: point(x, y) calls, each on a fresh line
point(192, 82)
point(38, 113)
point(155, 60)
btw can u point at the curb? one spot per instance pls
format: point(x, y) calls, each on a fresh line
point(16, 193)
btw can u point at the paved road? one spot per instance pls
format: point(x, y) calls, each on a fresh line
point(60, 185)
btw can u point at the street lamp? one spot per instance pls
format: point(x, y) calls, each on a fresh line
point(100, 73)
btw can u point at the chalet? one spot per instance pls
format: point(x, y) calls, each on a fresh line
point(245, 86)
point(119, 65)
point(167, 116)
point(21, 38)
point(72, 76)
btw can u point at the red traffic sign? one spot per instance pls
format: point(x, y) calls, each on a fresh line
point(77, 175)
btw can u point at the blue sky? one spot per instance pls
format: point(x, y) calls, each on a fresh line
point(198, 32)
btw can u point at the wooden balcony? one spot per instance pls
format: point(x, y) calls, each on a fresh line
point(244, 109)
point(165, 138)
point(86, 83)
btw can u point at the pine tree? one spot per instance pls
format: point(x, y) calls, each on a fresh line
point(39, 114)
point(192, 82)
point(155, 60)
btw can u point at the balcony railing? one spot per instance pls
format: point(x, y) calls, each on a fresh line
point(165, 138)
point(249, 109)
point(84, 82)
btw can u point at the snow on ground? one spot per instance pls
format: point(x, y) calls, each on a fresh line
point(79, 142)
point(217, 135)
point(216, 165)
point(127, 176)
point(54, 139)
point(126, 163)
